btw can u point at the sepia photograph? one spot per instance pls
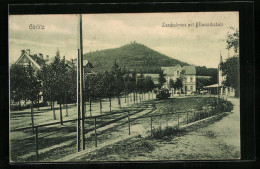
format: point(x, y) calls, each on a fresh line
point(124, 87)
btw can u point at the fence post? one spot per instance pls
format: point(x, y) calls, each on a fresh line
point(95, 124)
point(128, 123)
point(178, 120)
point(151, 126)
point(36, 143)
point(187, 117)
point(194, 115)
point(166, 120)
point(61, 121)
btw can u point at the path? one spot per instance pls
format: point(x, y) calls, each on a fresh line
point(220, 140)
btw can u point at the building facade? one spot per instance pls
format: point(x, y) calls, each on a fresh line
point(186, 73)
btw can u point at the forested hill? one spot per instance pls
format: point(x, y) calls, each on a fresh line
point(132, 56)
point(203, 71)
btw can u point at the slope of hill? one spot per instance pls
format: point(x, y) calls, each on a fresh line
point(132, 56)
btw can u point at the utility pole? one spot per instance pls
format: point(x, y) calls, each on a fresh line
point(80, 105)
point(218, 77)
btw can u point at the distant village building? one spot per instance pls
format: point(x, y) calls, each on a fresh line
point(186, 73)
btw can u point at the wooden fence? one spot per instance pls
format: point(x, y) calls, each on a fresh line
point(191, 116)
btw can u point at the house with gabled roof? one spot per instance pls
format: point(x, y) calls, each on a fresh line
point(37, 61)
point(186, 73)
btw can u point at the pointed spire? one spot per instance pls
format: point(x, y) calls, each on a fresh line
point(220, 58)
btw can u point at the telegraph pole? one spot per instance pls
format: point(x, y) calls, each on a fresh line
point(80, 105)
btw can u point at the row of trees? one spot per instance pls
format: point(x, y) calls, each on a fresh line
point(114, 83)
point(57, 82)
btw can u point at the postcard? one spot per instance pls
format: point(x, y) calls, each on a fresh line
point(124, 87)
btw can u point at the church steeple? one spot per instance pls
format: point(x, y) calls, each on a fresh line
point(220, 58)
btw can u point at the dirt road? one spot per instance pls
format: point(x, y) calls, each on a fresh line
point(220, 140)
point(215, 139)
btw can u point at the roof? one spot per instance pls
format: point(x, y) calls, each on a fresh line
point(170, 70)
point(38, 60)
point(70, 64)
point(211, 86)
point(189, 70)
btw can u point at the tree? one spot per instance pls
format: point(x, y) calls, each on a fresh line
point(109, 86)
point(48, 85)
point(179, 84)
point(17, 83)
point(230, 70)
point(134, 83)
point(59, 68)
point(233, 40)
point(118, 81)
point(161, 79)
point(140, 84)
point(32, 88)
point(128, 85)
point(90, 84)
point(172, 85)
point(100, 88)
point(148, 85)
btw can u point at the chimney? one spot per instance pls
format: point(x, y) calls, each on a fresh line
point(22, 52)
point(41, 56)
point(28, 51)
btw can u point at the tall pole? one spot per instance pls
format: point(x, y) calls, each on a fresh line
point(80, 106)
point(218, 85)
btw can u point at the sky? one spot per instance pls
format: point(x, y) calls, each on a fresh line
point(200, 46)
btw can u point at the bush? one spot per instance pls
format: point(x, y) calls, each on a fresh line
point(160, 133)
point(224, 106)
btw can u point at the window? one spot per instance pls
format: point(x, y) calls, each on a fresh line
point(191, 87)
point(191, 79)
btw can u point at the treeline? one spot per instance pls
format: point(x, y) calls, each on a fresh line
point(203, 71)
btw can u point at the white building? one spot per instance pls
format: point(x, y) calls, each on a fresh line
point(187, 73)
